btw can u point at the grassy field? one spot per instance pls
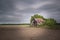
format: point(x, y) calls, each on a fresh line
point(50, 27)
point(28, 25)
point(14, 25)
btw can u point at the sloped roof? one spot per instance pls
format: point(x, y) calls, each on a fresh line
point(39, 19)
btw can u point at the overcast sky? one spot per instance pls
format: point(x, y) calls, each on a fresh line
point(20, 11)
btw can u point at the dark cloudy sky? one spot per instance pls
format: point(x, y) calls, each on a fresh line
point(19, 11)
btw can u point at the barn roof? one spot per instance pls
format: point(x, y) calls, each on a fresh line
point(39, 19)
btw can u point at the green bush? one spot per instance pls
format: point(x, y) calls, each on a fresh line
point(50, 22)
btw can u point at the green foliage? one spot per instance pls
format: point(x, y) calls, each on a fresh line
point(50, 22)
point(32, 18)
point(38, 16)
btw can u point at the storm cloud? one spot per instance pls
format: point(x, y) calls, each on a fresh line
point(20, 11)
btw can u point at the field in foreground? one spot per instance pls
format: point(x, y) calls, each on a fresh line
point(24, 32)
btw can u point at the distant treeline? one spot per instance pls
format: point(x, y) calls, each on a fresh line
point(16, 24)
point(24, 24)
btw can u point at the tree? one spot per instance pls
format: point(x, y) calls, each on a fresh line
point(50, 22)
point(32, 17)
point(38, 16)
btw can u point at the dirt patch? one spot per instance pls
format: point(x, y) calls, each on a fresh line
point(28, 33)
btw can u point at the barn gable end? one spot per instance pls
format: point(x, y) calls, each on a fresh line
point(39, 21)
